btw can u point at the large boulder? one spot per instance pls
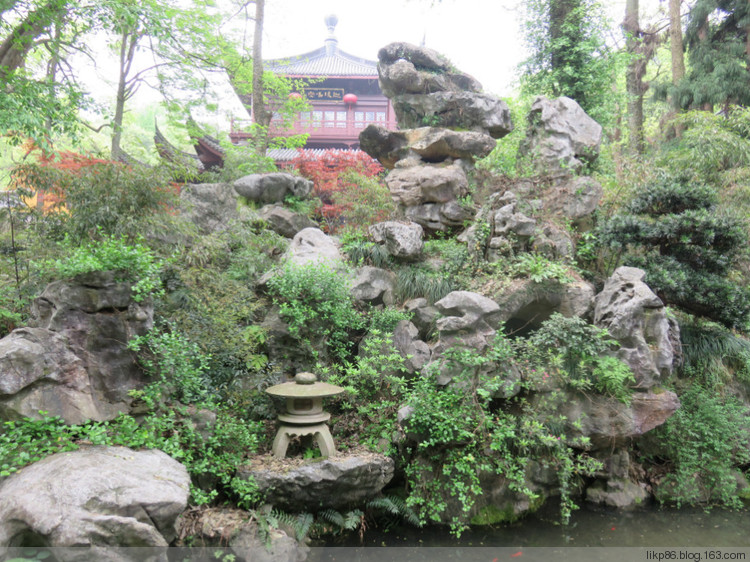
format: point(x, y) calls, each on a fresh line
point(272, 188)
point(609, 423)
point(430, 144)
point(334, 482)
point(454, 110)
point(418, 185)
point(210, 206)
point(94, 497)
point(402, 240)
point(561, 137)
point(312, 245)
point(406, 340)
point(574, 199)
point(636, 318)
point(38, 372)
point(374, 286)
point(73, 361)
point(285, 222)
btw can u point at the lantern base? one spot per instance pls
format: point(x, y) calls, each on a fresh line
point(320, 431)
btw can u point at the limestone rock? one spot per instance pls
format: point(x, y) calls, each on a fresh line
point(620, 493)
point(464, 311)
point(436, 145)
point(454, 110)
point(272, 188)
point(402, 240)
point(607, 422)
point(283, 221)
point(427, 184)
point(97, 496)
point(334, 482)
point(210, 206)
point(424, 316)
point(312, 245)
point(526, 304)
point(420, 57)
point(73, 360)
point(637, 319)
point(561, 136)
point(575, 199)
point(429, 144)
point(416, 353)
point(374, 285)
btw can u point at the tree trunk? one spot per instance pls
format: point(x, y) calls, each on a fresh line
point(128, 43)
point(634, 74)
point(675, 39)
point(18, 43)
point(261, 115)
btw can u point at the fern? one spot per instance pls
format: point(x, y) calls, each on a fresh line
point(394, 505)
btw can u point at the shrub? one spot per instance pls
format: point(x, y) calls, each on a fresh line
point(133, 262)
point(102, 199)
point(313, 299)
point(706, 439)
point(336, 172)
point(673, 230)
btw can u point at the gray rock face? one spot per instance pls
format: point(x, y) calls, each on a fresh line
point(73, 361)
point(98, 496)
point(420, 57)
point(283, 221)
point(415, 352)
point(614, 488)
point(402, 240)
point(561, 136)
point(210, 206)
point(607, 422)
point(575, 199)
point(636, 318)
point(456, 110)
point(429, 144)
point(424, 316)
point(312, 245)
point(526, 304)
point(272, 188)
point(427, 184)
point(374, 285)
point(334, 482)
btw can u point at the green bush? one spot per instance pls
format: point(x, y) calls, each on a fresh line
point(314, 299)
point(706, 440)
point(688, 247)
point(132, 261)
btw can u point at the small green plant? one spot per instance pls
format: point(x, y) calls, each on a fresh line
point(706, 439)
point(313, 299)
point(132, 261)
point(539, 269)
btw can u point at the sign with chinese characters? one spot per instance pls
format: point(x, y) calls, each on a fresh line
point(324, 94)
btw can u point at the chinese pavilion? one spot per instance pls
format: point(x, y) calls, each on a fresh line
point(344, 95)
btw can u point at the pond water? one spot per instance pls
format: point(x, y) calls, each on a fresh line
point(589, 527)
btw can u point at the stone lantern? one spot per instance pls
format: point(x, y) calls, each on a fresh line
point(304, 413)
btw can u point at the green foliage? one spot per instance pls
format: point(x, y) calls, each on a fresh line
point(569, 55)
point(365, 201)
point(717, 52)
point(686, 245)
point(706, 439)
point(104, 199)
point(539, 268)
point(503, 159)
point(577, 353)
point(133, 262)
point(313, 300)
point(712, 354)
point(414, 282)
point(360, 251)
point(177, 365)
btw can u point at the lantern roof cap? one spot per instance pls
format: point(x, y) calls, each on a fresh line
point(305, 385)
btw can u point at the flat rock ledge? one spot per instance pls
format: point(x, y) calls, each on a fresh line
point(319, 484)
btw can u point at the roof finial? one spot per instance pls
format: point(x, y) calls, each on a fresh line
point(331, 42)
point(331, 21)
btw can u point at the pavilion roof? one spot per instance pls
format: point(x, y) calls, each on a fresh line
point(327, 61)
